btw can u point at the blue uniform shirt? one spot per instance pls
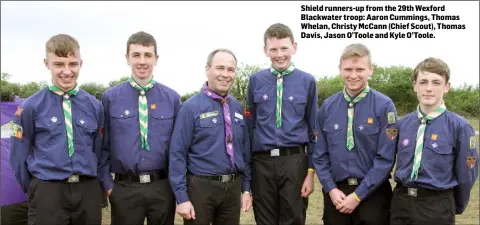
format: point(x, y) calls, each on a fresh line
point(42, 150)
point(198, 143)
point(448, 147)
point(373, 154)
point(299, 108)
point(122, 152)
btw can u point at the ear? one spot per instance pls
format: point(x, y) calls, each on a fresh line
point(447, 87)
point(126, 58)
point(294, 48)
point(81, 63)
point(414, 87)
point(45, 61)
point(265, 50)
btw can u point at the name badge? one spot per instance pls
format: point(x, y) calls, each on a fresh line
point(238, 115)
point(208, 114)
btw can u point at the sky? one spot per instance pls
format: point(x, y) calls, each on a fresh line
point(186, 32)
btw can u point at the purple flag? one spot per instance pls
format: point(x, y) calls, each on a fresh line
point(11, 191)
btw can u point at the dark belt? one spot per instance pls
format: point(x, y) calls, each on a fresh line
point(420, 192)
point(143, 177)
point(222, 178)
point(282, 151)
point(350, 182)
point(75, 178)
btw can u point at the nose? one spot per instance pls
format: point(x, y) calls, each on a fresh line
point(67, 70)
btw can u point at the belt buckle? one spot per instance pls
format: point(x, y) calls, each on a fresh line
point(352, 181)
point(412, 192)
point(145, 178)
point(74, 179)
point(275, 152)
point(226, 178)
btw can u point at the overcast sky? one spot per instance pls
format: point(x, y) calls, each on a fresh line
point(187, 31)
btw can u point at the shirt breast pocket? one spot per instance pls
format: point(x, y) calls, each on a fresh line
point(238, 128)
point(439, 153)
point(123, 120)
point(161, 122)
point(48, 129)
point(334, 135)
point(296, 103)
point(368, 134)
point(265, 102)
point(86, 130)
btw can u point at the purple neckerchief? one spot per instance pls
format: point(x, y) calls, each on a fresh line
point(226, 117)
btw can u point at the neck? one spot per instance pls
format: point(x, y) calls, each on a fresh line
point(142, 82)
point(354, 93)
point(63, 89)
point(427, 109)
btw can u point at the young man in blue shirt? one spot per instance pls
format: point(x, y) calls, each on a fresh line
point(436, 154)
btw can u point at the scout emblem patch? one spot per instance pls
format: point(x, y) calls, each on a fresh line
point(472, 142)
point(19, 111)
point(208, 114)
point(434, 137)
point(153, 106)
point(392, 133)
point(17, 131)
point(370, 120)
point(391, 117)
point(471, 162)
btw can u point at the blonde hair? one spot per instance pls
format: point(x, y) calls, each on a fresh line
point(62, 45)
point(356, 51)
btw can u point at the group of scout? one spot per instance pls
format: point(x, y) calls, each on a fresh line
point(210, 158)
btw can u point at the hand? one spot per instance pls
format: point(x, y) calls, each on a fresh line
point(186, 210)
point(307, 187)
point(337, 196)
point(246, 201)
point(109, 192)
point(348, 205)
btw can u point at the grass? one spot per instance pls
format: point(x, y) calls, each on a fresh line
point(315, 206)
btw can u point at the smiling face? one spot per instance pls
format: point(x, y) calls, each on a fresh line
point(355, 68)
point(141, 59)
point(279, 45)
point(63, 60)
point(431, 82)
point(220, 71)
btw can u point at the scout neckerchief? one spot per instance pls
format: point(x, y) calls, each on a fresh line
point(67, 113)
point(350, 140)
point(143, 110)
point(417, 159)
point(226, 116)
point(280, 89)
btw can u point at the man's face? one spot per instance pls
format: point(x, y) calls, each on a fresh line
point(221, 72)
point(64, 70)
point(280, 52)
point(354, 72)
point(430, 88)
point(141, 59)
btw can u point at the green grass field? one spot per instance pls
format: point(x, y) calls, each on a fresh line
point(315, 207)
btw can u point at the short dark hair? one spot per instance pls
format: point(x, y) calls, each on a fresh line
point(432, 65)
point(279, 31)
point(142, 38)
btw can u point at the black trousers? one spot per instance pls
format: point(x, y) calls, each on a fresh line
point(374, 210)
point(276, 187)
point(131, 202)
point(60, 203)
point(15, 214)
point(422, 206)
point(214, 202)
